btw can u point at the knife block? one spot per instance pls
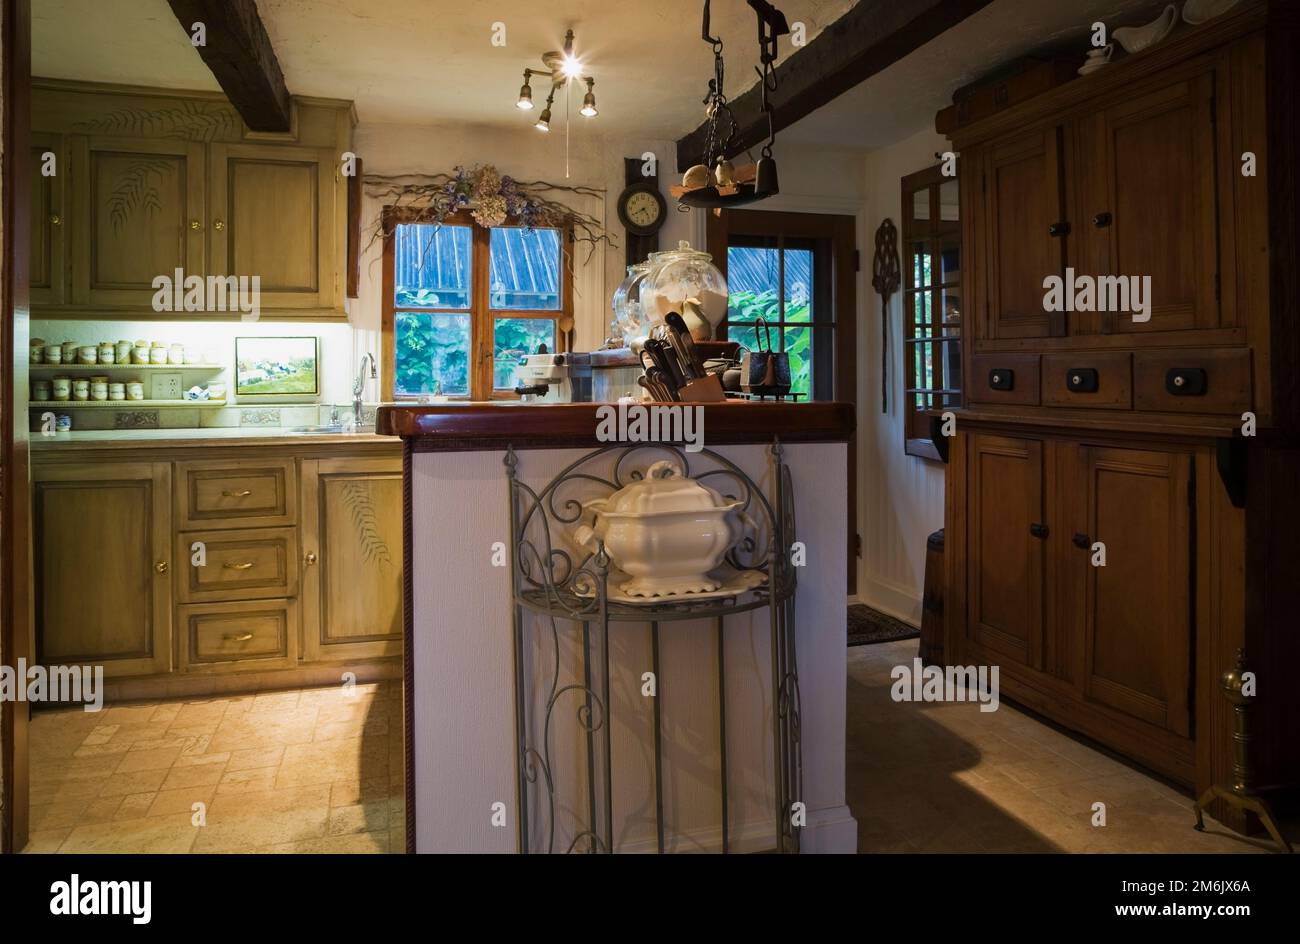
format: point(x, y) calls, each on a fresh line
point(706, 389)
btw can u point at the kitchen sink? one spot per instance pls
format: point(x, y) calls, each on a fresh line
point(326, 430)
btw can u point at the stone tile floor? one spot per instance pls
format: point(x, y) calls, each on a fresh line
point(948, 778)
point(311, 770)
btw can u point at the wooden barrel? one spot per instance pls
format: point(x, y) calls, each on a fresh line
point(931, 649)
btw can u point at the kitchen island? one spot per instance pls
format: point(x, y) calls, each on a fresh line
point(463, 760)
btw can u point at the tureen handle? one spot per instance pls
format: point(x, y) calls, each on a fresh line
point(663, 469)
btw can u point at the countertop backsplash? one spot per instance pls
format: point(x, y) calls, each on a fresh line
point(214, 343)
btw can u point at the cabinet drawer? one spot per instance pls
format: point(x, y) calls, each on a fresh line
point(1195, 380)
point(237, 494)
point(1102, 381)
point(220, 637)
point(1004, 378)
point(255, 564)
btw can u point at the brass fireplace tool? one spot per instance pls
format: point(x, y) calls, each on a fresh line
point(1242, 793)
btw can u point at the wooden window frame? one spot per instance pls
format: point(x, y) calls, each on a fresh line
point(917, 438)
point(481, 314)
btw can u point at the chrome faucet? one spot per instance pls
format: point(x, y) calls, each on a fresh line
point(359, 385)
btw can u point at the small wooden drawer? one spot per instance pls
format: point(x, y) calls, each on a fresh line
point(225, 637)
point(1100, 381)
point(236, 494)
point(1192, 380)
point(254, 564)
point(1004, 378)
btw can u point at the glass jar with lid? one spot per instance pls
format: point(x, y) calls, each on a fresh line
point(682, 275)
point(628, 322)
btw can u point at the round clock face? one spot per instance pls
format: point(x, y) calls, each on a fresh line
point(642, 209)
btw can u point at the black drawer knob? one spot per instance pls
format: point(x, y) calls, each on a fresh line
point(1185, 381)
point(1002, 378)
point(1059, 229)
point(1081, 541)
point(1081, 380)
point(1038, 530)
point(1102, 220)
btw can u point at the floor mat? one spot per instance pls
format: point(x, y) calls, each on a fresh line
point(867, 626)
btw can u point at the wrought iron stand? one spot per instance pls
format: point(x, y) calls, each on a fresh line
point(560, 585)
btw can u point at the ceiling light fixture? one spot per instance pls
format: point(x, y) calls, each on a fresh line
point(562, 65)
point(525, 94)
point(588, 109)
point(544, 119)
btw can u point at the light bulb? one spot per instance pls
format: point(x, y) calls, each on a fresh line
point(544, 120)
point(525, 97)
point(571, 67)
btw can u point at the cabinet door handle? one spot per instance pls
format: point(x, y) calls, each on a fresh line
point(242, 493)
point(1038, 530)
point(1081, 541)
point(241, 637)
point(55, 219)
point(160, 567)
point(310, 558)
point(218, 225)
point(1102, 220)
point(195, 224)
point(1059, 229)
point(243, 565)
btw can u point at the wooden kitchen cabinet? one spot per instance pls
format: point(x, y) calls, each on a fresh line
point(155, 180)
point(352, 558)
point(49, 224)
point(1136, 615)
point(138, 212)
point(1023, 229)
point(1007, 547)
point(274, 215)
point(103, 566)
point(1147, 202)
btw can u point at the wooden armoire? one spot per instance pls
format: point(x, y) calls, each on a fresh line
point(1170, 443)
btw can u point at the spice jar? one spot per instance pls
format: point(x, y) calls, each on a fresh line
point(81, 389)
point(88, 354)
point(176, 354)
point(122, 352)
point(140, 353)
point(158, 353)
point(37, 350)
point(61, 388)
point(117, 391)
point(134, 390)
point(98, 390)
point(54, 354)
point(107, 352)
point(41, 390)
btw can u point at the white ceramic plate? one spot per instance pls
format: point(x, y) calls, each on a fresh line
point(733, 584)
point(1196, 12)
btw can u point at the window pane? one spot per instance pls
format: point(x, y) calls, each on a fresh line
point(753, 276)
point(525, 269)
point(432, 266)
point(798, 284)
point(431, 349)
point(798, 344)
point(513, 338)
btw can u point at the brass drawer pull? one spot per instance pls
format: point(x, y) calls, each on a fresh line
point(310, 558)
point(160, 567)
point(242, 493)
point(231, 565)
point(242, 637)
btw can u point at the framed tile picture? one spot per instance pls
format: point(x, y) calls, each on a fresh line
point(277, 367)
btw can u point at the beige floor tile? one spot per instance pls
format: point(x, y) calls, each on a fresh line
point(180, 778)
point(290, 825)
point(161, 834)
point(135, 806)
point(256, 780)
point(139, 781)
point(180, 801)
point(255, 758)
point(160, 759)
point(46, 841)
point(361, 818)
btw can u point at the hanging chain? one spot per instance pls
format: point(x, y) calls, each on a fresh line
point(715, 102)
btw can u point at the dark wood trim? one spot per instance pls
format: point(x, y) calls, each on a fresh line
point(864, 41)
point(15, 589)
point(408, 650)
point(241, 58)
point(453, 427)
point(353, 261)
point(1282, 71)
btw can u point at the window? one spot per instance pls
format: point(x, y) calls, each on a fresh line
point(930, 257)
point(463, 303)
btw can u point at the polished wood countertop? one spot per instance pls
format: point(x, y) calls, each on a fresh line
point(154, 444)
point(460, 427)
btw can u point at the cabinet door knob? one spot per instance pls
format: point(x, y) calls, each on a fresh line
point(1038, 530)
point(160, 567)
point(310, 558)
point(1059, 229)
point(1102, 220)
point(218, 225)
point(55, 219)
point(1081, 541)
point(195, 224)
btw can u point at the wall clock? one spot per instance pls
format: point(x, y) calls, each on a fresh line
point(642, 211)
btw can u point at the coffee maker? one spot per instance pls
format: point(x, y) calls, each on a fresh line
point(554, 378)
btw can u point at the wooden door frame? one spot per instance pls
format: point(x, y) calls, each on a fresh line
point(15, 569)
point(841, 230)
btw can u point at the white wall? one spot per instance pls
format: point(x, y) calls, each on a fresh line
point(900, 499)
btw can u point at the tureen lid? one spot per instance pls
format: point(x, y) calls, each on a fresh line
point(664, 489)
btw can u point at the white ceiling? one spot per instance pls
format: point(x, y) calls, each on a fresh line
point(902, 99)
point(418, 61)
point(424, 61)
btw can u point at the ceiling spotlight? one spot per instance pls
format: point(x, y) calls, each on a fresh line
point(544, 120)
point(570, 66)
point(525, 95)
point(588, 109)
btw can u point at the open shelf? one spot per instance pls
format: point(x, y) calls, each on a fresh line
point(96, 368)
point(127, 404)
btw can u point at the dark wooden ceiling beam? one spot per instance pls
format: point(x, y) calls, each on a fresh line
point(239, 53)
point(865, 40)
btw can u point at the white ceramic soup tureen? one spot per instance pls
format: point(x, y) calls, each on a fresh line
point(666, 532)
